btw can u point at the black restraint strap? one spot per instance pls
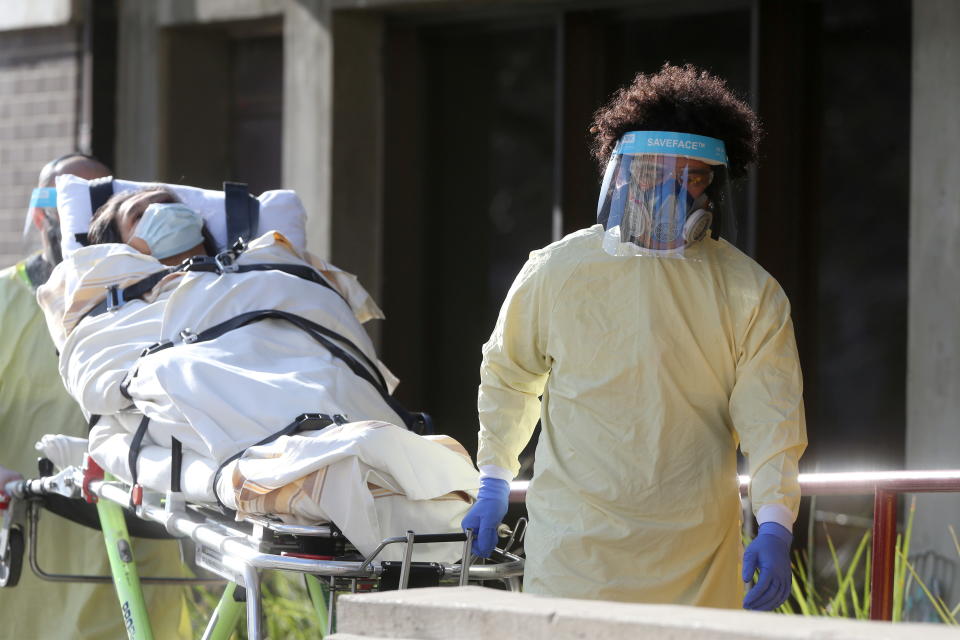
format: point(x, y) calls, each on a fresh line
point(318, 332)
point(243, 212)
point(303, 422)
point(357, 361)
point(101, 189)
point(92, 422)
point(135, 446)
point(135, 291)
point(298, 270)
point(176, 463)
point(207, 264)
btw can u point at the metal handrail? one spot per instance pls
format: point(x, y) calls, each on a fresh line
point(885, 486)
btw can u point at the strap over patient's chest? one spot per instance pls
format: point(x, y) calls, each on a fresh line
point(224, 262)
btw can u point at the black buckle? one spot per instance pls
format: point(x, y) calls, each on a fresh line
point(423, 425)
point(114, 297)
point(317, 421)
point(198, 263)
point(226, 262)
point(156, 346)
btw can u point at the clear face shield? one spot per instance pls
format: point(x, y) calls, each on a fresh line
point(45, 199)
point(662, 193)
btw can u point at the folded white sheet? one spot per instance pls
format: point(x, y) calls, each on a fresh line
point(372, 479)
point(64, 451)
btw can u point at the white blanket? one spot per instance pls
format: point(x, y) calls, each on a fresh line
point(219, 397)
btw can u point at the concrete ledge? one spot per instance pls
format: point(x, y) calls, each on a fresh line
point(475, 613)
point(30, 14)
point(350, 636)
point(188, 12)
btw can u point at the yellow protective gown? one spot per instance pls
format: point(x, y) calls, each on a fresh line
point(33, 402)
point(652, 370)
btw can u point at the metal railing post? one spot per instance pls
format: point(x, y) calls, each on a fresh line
point(884, 541)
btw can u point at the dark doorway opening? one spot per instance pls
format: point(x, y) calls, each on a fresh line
point(224, 106)
point(471, 197)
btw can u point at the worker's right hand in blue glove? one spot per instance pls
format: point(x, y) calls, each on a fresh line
point(486, 514)
point(770, 553)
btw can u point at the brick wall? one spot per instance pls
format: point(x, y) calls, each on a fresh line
point(39, 73)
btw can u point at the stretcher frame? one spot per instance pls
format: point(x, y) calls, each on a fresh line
point(234, 551)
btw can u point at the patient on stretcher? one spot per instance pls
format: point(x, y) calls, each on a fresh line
point(226, 353)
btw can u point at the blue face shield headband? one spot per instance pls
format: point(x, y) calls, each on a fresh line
point(43, 198)
point(661, 192)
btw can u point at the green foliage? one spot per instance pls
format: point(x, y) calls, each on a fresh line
point(850, 597)
point(287, 609)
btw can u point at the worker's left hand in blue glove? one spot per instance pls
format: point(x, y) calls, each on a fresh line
point(486, 514)
point(770, 553)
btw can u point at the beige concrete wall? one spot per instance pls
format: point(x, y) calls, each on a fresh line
point(476, 613)
point(138, 125)
point(307, 93)
point(307, 114)
point(933, 366)
point(39, 78)
point(357, 154)
point(140, 117)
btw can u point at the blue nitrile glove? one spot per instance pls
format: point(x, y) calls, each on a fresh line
point(486, 514)
point(770, 553)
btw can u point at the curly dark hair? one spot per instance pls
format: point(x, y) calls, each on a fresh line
point(683, 99)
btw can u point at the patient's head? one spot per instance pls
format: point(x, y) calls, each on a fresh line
point(153, 221)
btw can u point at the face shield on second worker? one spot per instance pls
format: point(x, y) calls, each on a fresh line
point(662, 193)
point(45, 199)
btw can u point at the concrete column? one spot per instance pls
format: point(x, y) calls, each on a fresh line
point(357, 153)
point(307, 114)
point(933, 370)
point(139, 111)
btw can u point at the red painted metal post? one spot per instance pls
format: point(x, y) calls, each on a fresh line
point(884, 541)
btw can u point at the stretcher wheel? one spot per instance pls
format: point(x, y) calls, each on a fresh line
point(12, 560)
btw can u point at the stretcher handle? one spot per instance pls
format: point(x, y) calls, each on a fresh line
point(26, 488)
point(439, 537)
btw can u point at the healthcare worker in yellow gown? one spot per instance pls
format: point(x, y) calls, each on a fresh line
point(33, 402)
point(657, 348)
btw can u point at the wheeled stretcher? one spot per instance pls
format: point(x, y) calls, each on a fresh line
point(188, 375)
point(236, 551)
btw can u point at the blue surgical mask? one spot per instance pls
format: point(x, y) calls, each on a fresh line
point(169, 229)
